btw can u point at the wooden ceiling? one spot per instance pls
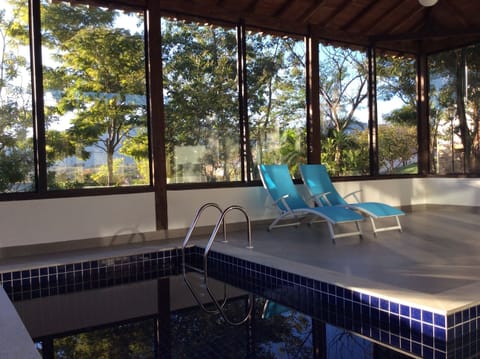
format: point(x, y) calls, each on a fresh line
point(402, 26)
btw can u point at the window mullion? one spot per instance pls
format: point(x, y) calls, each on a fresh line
point(245, 161)
point(372, 112)
point(37, 97)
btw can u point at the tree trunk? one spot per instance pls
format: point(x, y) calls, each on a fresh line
point(110, 168)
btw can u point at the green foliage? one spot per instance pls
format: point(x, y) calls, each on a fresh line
point(99, 81)
point(276, 99)
point(16, 150)
point(137, 147)
point(396, 77)
point(405, 115)
point(351, 149)
point(120, 177)
point(59, 146)
point(201, 99)
point(131, 340)
point(15, 166)
point(455, 103)
point(397, 146)
point(62, 21)
point(293, 150)
point(343, 91)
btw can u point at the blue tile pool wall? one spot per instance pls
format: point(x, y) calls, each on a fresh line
point(92, 274)
point(463, 333)
point(420, 332)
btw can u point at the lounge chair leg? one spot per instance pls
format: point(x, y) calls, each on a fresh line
point(398, 223)
point(332, 232)
point(373, 226)
point(359, 230)
point(388, 228)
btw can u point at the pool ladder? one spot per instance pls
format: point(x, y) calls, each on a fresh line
point(220, 223)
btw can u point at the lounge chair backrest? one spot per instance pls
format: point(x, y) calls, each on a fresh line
point(317, 179)
point(278, 183)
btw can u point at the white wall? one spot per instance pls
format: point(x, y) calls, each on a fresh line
point(183, 205)
point(67, 219)
point(453, 191)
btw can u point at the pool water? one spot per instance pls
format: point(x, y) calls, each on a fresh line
point(160, 318)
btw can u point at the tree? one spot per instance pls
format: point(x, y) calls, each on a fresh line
point(396, 77)
point(276, 99)
point(99, 80)
point(128, 340)
point(201, 99)
point(397, 133)
point(398, 145)
point(293, 150)
point(16, 151)
point(343, 89)
point(455, 99)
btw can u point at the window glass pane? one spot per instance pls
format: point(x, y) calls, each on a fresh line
point(397, 115)
point(344, 110)
point(454, 111)
point(95, 96)
point(201, 102)
point(276, 101)
point(16, 130)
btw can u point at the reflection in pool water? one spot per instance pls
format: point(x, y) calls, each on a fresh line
point(159, 318)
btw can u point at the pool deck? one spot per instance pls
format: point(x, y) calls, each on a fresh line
point(434, 263)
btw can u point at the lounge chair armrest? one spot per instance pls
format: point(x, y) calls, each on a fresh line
point(354, 195)
point(321, 198)
point(283, 200)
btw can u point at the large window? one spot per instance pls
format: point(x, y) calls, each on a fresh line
point(201, 102)
point(276, 100)
point(455, 111)
point(95, 96)
point(204, 132)
point(397, 115)
point(16, 123)
point(344, 110)
point(234, 97)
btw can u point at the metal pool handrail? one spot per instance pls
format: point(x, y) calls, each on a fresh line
point(197, 217)
point(220, 222)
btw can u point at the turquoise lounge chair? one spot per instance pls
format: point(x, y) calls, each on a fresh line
point(320, 186)
point(279, 185)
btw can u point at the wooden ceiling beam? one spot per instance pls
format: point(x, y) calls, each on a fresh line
point(427, 35)
point(398, 24)
point(359, 15)
point(457, 13)
point(310, 11)
point(338, 37)
point(338, 9)
point(287, 5)
point(196, 12)
point(251, 7)
point(394, 25)
point(378, 19)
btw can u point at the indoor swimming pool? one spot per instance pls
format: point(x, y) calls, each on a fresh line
point(138, 306)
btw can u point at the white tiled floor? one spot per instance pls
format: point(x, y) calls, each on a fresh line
point(434, 263)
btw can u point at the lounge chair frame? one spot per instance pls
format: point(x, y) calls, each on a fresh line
point(292, 206)
point(374, 210)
